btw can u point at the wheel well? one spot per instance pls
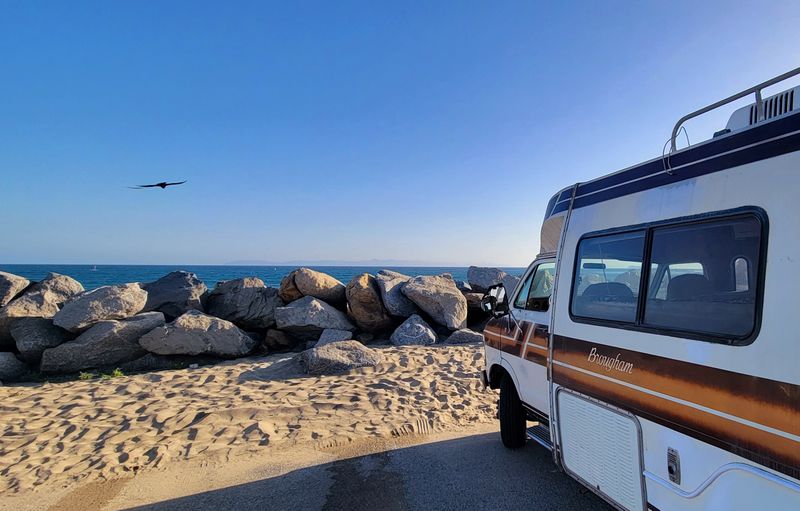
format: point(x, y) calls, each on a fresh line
point(496, 375)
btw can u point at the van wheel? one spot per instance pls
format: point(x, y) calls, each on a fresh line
point(512, 415)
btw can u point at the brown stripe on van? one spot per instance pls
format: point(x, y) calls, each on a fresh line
point(503, 334)
point(540, 336)
point(536, 355)
point(762, 447)
point(760, 400)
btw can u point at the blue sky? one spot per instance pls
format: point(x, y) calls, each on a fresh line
point(431, 132)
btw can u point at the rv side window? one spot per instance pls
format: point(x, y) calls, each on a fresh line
point(606, 283)
point(541, 288)
point(708, 290)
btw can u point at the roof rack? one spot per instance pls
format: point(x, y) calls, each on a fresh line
point(759, 104)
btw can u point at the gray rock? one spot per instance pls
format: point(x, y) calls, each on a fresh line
point(175, 293)
point(439, 297)
point(245, 302)
point(41, 300)
point(391, 284)
point(107, 302)
point(330, 335)
point(195, 333)
point(107, 343)
point(481, 278)
point(463, 286)
point(338, 357)
point(413, 332)
point(307, 317)
point(464, 336)
point(365, 305)
point(275, 340)
point(34, 335)
point(510, 283)
point(10, 286)
point(11, 368)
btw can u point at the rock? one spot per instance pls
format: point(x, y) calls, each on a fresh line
point(463, 286)
point(413, 332)
point(34, 335)
point(11, 368)
point(330, 335)
point(365, 304)
point(464, 336)
point(480, 278)
point(41, 300)
point(319, 285)
point(245, 302)
point(473, 302)
point(10, 286)
point(107, 302)
point(307, 317)
point(107, 343)
point(288, 291)
point(440, 298)
point(175, 293)
point(391, 284)
point(275, 340)
point(510, 283)
point(195, 333)
point(338, 357)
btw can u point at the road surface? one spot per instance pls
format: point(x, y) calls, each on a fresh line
point(460, 473)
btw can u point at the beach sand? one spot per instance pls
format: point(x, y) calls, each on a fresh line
point(62, 434)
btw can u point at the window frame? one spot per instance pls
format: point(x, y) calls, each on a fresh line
point(638, 325)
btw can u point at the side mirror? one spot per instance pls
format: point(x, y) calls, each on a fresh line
point(495, 301)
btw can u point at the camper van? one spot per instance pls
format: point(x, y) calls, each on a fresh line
point(650, 345)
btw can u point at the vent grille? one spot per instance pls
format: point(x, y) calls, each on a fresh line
point(774, 106)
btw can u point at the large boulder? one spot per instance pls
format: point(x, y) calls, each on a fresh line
point(439, 297)
point(288, 291)
point(365, 304)
point(307, 317)
point(41, 300)
point(10, 367)
point(464, 336)
point(107, 343)
point(330, 335)
point(107, 302)
point(338, 357)
point(245, 302)
point(10, 286)
point(34, 335)
point(175, 293)
point(481, 278)
point(413, 332)
point(510, 282)
point(391, 284)
point(195, 333)
point(308, 282)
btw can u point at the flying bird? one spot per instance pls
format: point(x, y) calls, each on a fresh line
point(161, 185)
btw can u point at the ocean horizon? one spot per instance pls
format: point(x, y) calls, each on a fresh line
point(94, 276)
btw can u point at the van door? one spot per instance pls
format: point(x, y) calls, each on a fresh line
point(529, 306)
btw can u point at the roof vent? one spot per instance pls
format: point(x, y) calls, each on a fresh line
point(772, 107)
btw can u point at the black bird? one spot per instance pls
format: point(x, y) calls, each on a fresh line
point(162, 185)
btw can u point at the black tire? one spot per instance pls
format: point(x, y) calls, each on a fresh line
point(512, 415)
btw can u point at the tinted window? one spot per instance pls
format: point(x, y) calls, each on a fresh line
point(707, 289)
point(541, 288)
point(607, 278)
point(519, 302)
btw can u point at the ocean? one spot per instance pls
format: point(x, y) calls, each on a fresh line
point(102, 275)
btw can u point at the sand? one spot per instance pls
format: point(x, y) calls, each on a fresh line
point(62, 434)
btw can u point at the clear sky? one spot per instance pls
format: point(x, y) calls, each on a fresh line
point(430, 132)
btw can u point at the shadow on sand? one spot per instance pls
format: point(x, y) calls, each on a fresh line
point(474, 472)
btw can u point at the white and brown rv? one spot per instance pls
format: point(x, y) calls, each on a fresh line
point(652, 345)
